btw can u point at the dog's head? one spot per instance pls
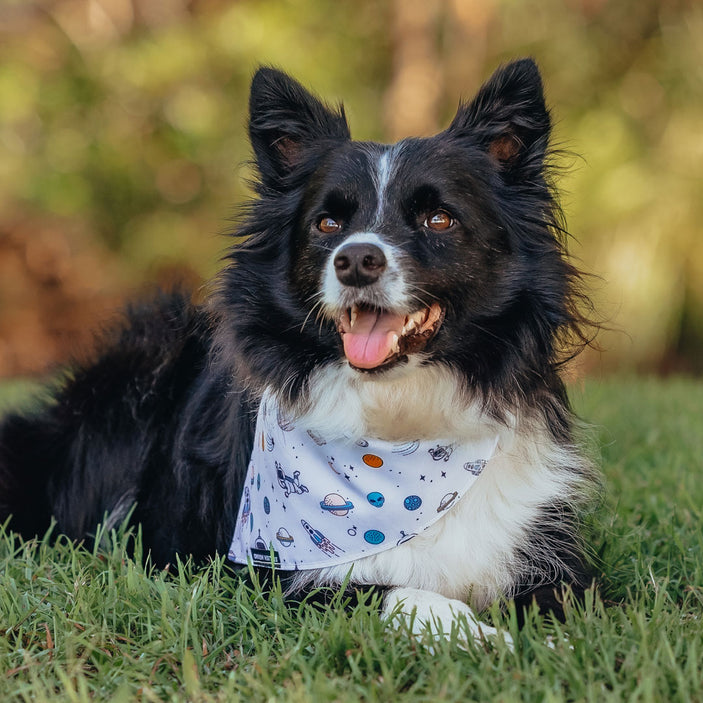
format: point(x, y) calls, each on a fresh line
point(432, 249)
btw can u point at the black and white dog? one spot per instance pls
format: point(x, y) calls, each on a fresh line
point(415, 295)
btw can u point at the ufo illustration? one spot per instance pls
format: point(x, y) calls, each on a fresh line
point(447, 501)
point(284, 537)
point(405, 537)
point(336, 505)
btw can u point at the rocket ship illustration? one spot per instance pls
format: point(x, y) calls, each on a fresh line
point(319, 540)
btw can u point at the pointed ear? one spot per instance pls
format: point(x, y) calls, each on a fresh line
point(284, 119)
point(508, 118)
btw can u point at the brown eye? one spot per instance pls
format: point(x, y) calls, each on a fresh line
point(328, 226)
point(439, 220)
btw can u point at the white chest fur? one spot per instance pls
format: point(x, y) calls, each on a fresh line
point(473, 554)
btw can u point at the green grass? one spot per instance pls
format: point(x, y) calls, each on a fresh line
point(77, 625)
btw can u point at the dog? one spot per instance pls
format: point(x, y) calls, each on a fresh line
point(386, 338)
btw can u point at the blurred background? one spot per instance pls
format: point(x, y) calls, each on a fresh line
point(123, 149)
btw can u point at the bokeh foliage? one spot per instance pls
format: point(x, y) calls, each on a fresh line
point(122, 130)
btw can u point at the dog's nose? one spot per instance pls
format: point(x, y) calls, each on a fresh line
point(359, 264)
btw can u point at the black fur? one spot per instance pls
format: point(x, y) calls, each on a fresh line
point(162, 419)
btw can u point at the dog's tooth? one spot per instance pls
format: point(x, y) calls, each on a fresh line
point(395, 345)
point(418, 317)
point(434, 312)
point(354, 314)
point(409, 325)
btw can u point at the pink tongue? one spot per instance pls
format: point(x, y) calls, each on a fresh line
point(369, 342)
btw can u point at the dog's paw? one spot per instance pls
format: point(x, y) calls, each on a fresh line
point(425, 611)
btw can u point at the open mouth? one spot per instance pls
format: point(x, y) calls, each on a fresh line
point(374, 338)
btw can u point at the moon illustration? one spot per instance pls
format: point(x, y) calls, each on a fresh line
point(318, 439)
point(375, 462)
point(283, 422)
point(336, 505)
point(447, 501)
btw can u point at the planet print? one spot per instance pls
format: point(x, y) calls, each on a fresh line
point(284, 537)
point(412, 502)
point(407, 448)
point(375, 462)
point(267, 505)
point(374, 536)
point(447, 501)
point(336, 505)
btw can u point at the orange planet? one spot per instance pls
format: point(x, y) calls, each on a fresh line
point(375, 462)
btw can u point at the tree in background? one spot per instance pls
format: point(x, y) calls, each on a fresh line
point(122, 134)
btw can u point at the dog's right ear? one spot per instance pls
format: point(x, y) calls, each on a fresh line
point(284, 120)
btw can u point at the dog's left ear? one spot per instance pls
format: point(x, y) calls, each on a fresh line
point(284, 121)
point(509, 118)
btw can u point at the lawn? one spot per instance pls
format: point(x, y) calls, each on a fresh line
point(77, 625)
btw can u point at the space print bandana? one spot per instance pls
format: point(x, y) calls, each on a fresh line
point(308, 503)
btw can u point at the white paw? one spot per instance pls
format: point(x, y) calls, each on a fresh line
point(425, 611)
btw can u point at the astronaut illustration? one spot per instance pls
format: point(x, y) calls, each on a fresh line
point(288, 484)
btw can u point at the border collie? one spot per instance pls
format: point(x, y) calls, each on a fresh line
point(372, 391)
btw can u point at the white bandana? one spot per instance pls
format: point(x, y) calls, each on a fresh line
point(308, 504)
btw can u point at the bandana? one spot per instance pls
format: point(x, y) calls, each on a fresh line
point(308, 503)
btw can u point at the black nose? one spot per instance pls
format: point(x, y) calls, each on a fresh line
point(359, 264)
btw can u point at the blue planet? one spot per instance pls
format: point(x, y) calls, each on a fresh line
point(267, 505)
point(374, 536)
point(412, 502)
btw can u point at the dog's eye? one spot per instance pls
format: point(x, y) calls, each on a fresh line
point(327, 225)
point(439, 220)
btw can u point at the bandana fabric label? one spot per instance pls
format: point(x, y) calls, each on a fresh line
point(308, 504)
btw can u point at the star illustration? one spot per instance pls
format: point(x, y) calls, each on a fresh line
point(422, 478)
point(444, 474)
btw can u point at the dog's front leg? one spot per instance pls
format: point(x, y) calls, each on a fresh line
point(425, 611)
